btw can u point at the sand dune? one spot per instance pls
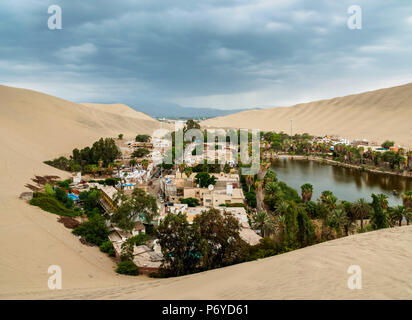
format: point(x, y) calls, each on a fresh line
point(119, 109)
point(376, 115)
point(35, 127)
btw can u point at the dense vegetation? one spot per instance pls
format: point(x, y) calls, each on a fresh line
point(142, 138)
point(191, 202)
point(90, 160)
point(361, 156)
point(55, 200)
point(204, 179)
point(140, 153)
point(139, 204)
point(50, 204)
point(94, 231)
point(212, 241)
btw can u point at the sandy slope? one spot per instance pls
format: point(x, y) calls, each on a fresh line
point(35, 127)
point(317, 272)
point(119, 109)
point(376, 115)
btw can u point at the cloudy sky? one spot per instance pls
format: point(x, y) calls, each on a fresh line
point(205, 53)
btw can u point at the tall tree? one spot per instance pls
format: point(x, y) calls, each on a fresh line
point(307, 190)
point(379, 218)
point(362, 209)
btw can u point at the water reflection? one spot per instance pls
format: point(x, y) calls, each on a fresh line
point(346, 183)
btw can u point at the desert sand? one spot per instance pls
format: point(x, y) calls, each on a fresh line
point(36, 127)
point(376, 116)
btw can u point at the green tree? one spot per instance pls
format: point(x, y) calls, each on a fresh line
point(407, 199)
point(191, 124)
point(204, 179)
point(94, 231)
point(396, 214)
point(191, 202)
point(307, 190)
point(140, 153)
point(127, 267)
point(387, 144)
point(142, 138)
point(219, 240)
point(379, 218)
point(179, 246)
point(263, 222)
point(362, 210)
point(306, 230)
point(133, 163)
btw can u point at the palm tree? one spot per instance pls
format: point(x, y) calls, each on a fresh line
point(407, 199)
point(188, 171)
point(272, 188)
point(94, 170)
point(383, 199)
point(259, 195)
point(281, 208)
point(181, 167)
point(328, 199)
point(280, 227)
point(118, 165)
point(362, 209)
point(133, 163)
point(408, 215)
point(110, 168)
point(263, 222)
point(264, 167)
point(396, 214)
point(145, 163)
point(307, 190)
point(249, 181)
point(338, 220)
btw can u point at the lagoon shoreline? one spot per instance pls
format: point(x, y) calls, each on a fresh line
point(339, 164)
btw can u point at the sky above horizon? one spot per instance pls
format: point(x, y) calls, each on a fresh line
point(212, 53)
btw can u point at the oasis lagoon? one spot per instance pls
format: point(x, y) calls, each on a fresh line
point(346, 183)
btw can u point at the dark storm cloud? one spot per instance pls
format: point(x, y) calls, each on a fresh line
point(204, 53)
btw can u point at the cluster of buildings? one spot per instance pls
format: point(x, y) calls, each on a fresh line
point(226, 191)
point(226, 195)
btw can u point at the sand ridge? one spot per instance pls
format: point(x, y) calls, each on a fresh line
point(375, 115)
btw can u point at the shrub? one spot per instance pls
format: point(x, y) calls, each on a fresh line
point(251, 198)
point(94, 231)
point(127, 267)
point(142, 138)
point(49, 190)
point(107, 247)
point(110, 181)
point(51, 204)
point(191, 202)
point(140, 153)
point(64, 184)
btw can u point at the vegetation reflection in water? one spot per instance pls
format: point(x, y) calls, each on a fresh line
point(346, 183)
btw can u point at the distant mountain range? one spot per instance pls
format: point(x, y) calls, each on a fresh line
point(173, 111)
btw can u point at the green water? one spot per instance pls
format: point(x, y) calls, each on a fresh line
point(347, 184)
